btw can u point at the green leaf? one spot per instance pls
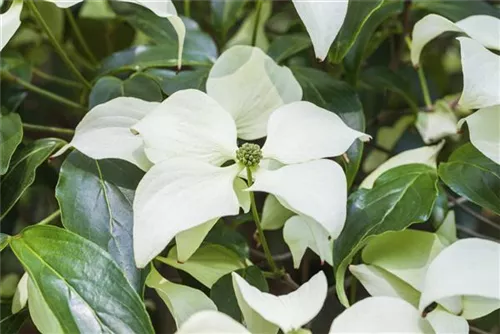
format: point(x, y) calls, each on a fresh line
point(11, 135)
point(382, 78)
point(224, 235)
point(222, 292)
point(53, 16)
point(4, 240)
point(358, 51)
point(472, 175)
point(225, 13)
point(11, 323)
point(23, 170)
point(286, 46)
point(182, 301)
point(79, 282)
point(337, 96)
point(172, 81)
point(140, 85)
point(96, 199)
point(358, 13)
point(400, 197)
point(143, 57)
point(457, 10)
point(208, 264)
point(13, 94)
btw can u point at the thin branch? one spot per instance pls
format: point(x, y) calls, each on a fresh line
point(279, 257)
point(61, 81)
point(473, 213)
point(49, 129)
point(473, 233)
point(290, 282)
point(477, 330)
point(47, 220)
point(79, 35)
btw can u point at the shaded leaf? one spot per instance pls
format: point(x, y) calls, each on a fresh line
point(472, 175)
point(4, 240)
point(225, 13)
point(23, 170)
point(222, 292)
point(457, 10)
point(286, 46)
point(358, 13)
point(11, 135)
point(96, 298)
point(96, 199)
point(400, 197)
point(11, 323)
point(172, 81)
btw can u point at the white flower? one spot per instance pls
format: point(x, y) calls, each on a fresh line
point(211, 322)
point(11, 20)
point(288, 312)
point(462, 278)
point(323, 20)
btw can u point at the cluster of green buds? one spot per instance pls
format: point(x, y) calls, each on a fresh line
point(249, 154)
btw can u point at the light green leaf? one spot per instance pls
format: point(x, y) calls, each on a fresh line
point(189, 241)
point(182, 301)
point(41, 313)
point(448, 230)
point(23, 168)
point(53, 16)
point(97, 299)
point(95, 197)
point(438, 123)
point(472, 175)
point(21, 295)
point(11, 135)
point(358, 13)
point(389, 206)
point(207, 264)
point(4, 240)
point(274, 215)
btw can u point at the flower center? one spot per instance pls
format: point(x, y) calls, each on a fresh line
point(249, 154)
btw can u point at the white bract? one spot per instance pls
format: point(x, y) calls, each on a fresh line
point(323, 20)
point(192, 134)
point(288, 312)
point(11, 20)
point(436, 124)
point(211, 322)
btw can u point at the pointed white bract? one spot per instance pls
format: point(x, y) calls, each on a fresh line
point(166, 9)
point(250, 86)
point(20, 298)
point(301, 233)
point(424, 155)
point(482, 28)
point(323, 20)
point(289, 312)
point(380, 315)
point(10, 22)
point(470, 269)
point(436, 124)
point(481, 69)
point(104, 132)
point(302, 131)
point(484, 131)
point(444, 322)
point(211, 322)
point(176, 195)
point(307, 190)
point(189, 124)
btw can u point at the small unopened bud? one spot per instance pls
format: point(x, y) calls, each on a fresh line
point(249, 154)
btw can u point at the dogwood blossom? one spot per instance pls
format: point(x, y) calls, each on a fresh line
point(11, 19)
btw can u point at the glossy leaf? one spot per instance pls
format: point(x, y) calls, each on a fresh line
point(11, 134)
point(337, 96)
point(208, 264)
point(472, 175)
point(283, 47)
point(11, 323)
point(457, 10)
point(23, 168)
point(172, 81)
point(358, 13)
point(96, 299)
point(140, 86)
point(401, 196)
point(95, 197)
point(222, 292)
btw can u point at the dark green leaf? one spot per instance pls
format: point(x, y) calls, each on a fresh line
point(4, 240)
point(222, 292)
point(400, 197)
point(222, 234)
point(23, 170)
point(357, 53)
point(11, 323)
point(13, 94)
point(472, 175)
point(358, 13)
point(11, 134)
point(382, 78)
point(225, 13)
point(457, 10)
point(337, 96)
point(80, 282)
point(96, 199)
point(140, 85)
point(440, 209)
point(286, 46)
point(172, 81)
